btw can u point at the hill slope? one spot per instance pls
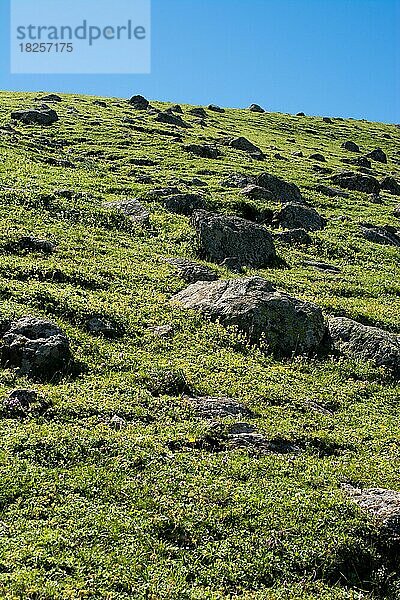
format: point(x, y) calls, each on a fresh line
point(114, 485)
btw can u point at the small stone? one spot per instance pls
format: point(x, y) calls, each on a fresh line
point(256, 108)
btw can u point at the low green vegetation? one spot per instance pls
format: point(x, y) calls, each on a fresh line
point(145, 509)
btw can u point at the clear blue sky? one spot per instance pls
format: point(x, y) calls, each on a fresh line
point(323, 57)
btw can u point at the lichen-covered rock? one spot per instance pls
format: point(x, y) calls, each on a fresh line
point(256, 192)
point(386, 235)
point(184, 204)
point(351, 146)
point(286, 325)
point(293, 237)
point(222, 237)
point(44, 116)
point(132, 209)
point(242, 143)
point(297, 216)
point(171, 119)
point(358, 182)
point(382, 504)
point(203, 150)
point(378, 155)
point(38, 348)
point(281, 190)
point(391, 185)
point(191, 271)
point(365, 342)
point(23, 403)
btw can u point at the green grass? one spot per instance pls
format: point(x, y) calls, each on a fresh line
point(88, 512)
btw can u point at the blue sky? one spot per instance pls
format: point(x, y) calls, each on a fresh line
point(323, 57)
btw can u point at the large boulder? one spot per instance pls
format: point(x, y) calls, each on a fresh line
point(256, 192)
point(38, 348)
point(391, 185)
point(386, 235)
point(281, 190)
point(297, 216)
point(222, 237)
point(365, 342)
point(242, 143)
point(171, 119)
point(286, 325)
point(256, 108)
point(357, 182)
point(203, 150)
point(378, 155)
point(139, 102)
point(351, 146)
point(293, 237)
point(44, 116)
point(198, 111)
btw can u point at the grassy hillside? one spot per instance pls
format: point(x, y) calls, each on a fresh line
point(142, 506)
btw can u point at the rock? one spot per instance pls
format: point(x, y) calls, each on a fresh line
point(190, 271)
point(50, 98)
point(118, 423)
point(293, 237)
point(222, 237)
point(319, 157)
point(281, 190)
point(300, 114)
point(298, 153)
point(162, 192)
point(203, 150)
point(238, 180)
point(389, 184)
point(99, 326)
point(133, 209)
point(100, 103)
point(386, 236)
point(364, 342)
point(396, 211)
point(139, 102)
point(242, 143)
point(23, 403)
point(38, 348)
point(198, 112)
point(265, 316)
point(29, 243)
point(378, 155)
point(297, 216)
point(245, 436)
point(184, 204)
point(171, 119)
point(215, 108)
point(351, 146)
point(198, 182)
point(323, 170)
point(177, 109)
point(217, 408)
point(327, 120)
point(256, 192)
point(382, 504)
point(163, 331)
point(321, 266)
point(256, 108)
point(330, 191)
point(35, 117)
point(358, 182)
point(360, 161)
point(232, 263)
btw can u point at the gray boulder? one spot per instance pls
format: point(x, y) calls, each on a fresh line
point(215, 108)
point(190, 271)
point(256, 192)
point(242, 143)
point(203, 150)
point(139, 102)
point(177, 109)
point(282, 191)
point(198, 112)
point(357, 181)
point(365, 342)
point(133, 209)
point(317, 156)
point(359, 161)
point(29, 243)
point(222, 237)
point(256, 108)
point(171, 119)
point(381, 504)
point(282, 323)
point(23, 403)
point(297, 216)
point(293, 237)
point(217, 408)
point(38, 348)
point(42, 116)
point(351, 146)
point(184, 204)
point(330, 191)
point(378, 155)
point(386, 235)
point(391, 185)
